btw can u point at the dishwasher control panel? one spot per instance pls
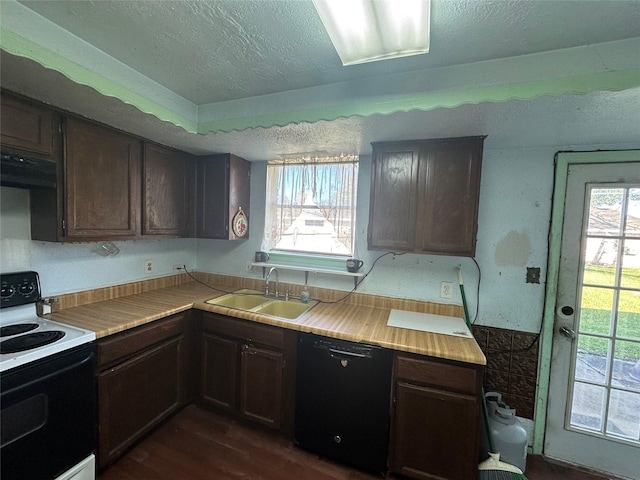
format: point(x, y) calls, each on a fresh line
point(344, 347)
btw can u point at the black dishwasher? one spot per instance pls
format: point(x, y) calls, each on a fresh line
point(343, 393)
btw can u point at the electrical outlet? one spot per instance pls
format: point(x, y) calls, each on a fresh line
point(177, 268)
point(533, 274)
point(249, 267)
point(446, 290)
point(148, 266)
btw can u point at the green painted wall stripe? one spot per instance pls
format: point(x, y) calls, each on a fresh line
point(22, 47)
point(579, 84)
point(564, 160)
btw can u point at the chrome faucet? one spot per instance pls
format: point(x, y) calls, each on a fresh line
point(266, 283)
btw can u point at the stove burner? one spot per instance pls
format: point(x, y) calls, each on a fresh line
point(29, 341)
point(17, 329)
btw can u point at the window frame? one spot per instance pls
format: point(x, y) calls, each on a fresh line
point(276, 192)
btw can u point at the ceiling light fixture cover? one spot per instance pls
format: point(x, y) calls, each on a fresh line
point(369, 30)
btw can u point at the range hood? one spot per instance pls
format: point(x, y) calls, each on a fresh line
point(26, 172)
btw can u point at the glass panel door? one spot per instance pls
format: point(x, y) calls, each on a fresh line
point(593, 406)
point(606, 376)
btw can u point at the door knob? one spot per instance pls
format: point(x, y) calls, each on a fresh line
point(567, 332)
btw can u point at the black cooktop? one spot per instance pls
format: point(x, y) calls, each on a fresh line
point(29, 341)
point(17, 329)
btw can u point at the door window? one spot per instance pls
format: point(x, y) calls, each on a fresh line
point(605, 398)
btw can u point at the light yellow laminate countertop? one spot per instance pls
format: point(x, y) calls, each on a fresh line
point(348, 321)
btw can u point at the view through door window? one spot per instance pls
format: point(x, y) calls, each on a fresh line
point(606, 387)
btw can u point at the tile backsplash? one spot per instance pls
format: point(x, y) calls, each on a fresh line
point(512, 366)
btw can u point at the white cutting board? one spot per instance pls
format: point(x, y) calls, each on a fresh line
point(427, 322)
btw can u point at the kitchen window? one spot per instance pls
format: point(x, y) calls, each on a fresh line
point(311, 205)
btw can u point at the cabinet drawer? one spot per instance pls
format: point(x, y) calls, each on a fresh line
point(125, 344)
point(456, 378)
point(245, 330)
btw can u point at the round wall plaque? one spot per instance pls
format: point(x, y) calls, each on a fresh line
point(240, 224)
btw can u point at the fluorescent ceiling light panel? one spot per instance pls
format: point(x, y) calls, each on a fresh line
point(369, 30)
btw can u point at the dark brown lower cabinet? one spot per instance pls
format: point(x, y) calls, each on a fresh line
point(248, 369)
point(219, 371)
point(261, 375)
point(436, 419)
point(144, 376)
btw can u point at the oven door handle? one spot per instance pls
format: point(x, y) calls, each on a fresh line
point(53, 369)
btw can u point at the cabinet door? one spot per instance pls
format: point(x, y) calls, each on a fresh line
point(448, 197)
point(424, 196)
point(26, 126)
point(168, 189)
point(223, 187)
point(392, 217)
point(136, 395)
point(261, 385)
point(219, 371)
point(434, 434)
point(213, 197)
point(102, 182)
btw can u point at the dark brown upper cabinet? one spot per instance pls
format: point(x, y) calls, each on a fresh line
point(222, 193)
point(114, 186)
point(168, 189)
point(424, 196)
point(102, 178)
point(27, 126)
point(98, 193)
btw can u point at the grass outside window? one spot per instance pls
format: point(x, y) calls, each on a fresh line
point(596, 310)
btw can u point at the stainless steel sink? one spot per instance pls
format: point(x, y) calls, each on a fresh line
point(255, 301)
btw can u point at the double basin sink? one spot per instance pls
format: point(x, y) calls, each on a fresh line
point(255, 301)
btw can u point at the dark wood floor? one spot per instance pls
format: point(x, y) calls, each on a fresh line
point(199, 445)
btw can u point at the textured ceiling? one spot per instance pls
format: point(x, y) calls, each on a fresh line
point(211, 51)
point(253, 54)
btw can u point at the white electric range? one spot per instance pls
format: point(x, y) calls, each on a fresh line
point(29, 338)
point(47, 377)
point(25, 337)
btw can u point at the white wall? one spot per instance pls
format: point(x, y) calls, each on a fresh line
point(515, 201)
point(514, 215)
point(65, 268)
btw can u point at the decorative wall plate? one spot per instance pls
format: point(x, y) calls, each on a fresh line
point(240, 224)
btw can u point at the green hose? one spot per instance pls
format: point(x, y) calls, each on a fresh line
point(485, 412)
